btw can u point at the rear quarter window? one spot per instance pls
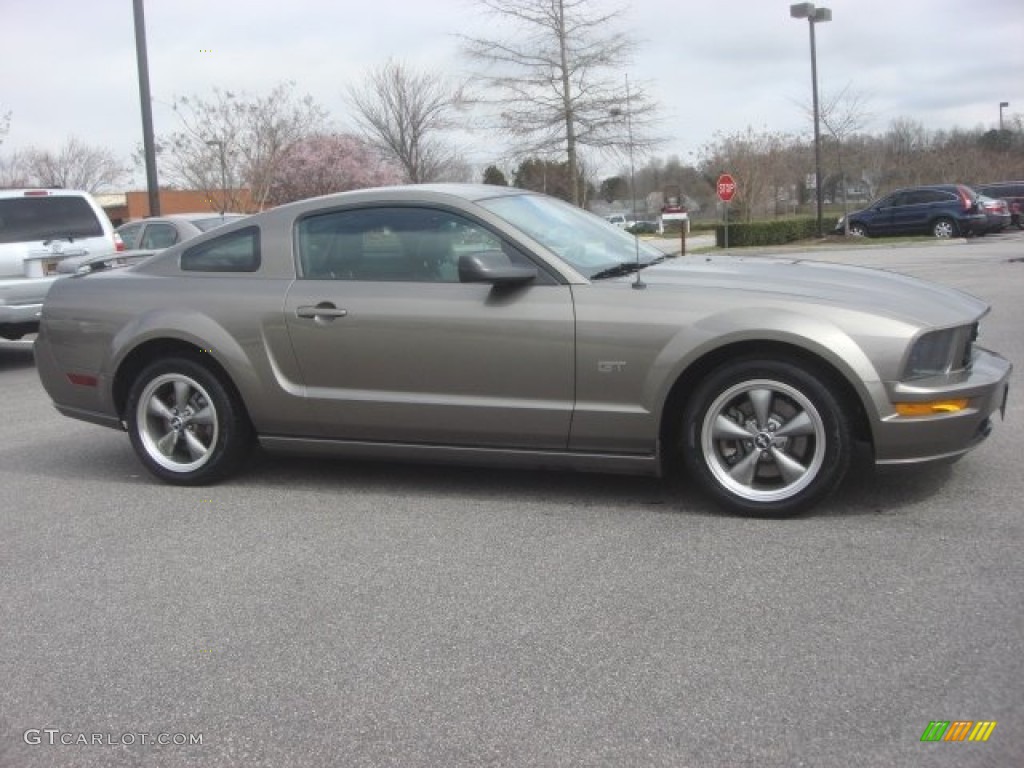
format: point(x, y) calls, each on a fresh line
point(234, 252)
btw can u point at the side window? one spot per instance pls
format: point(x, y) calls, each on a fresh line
point(159, 236)
point(404, 244)
point(935, 196)
point(130, 234)
point(235, 252)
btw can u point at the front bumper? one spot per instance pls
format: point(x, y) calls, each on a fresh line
point(947, 436)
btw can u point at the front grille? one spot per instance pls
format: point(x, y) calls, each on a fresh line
point(968, 347)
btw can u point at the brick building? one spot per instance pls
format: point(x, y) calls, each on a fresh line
point(128, 206)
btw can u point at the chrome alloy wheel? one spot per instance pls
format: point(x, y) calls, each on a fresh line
point(944, 229)
point(763, 440)
point(177, 422)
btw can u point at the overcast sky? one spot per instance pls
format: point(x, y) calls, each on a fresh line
point(67, 67)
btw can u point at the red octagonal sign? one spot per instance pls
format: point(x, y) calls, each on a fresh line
point(726, 187)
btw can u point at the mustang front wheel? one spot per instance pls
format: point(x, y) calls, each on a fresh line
point(765, 437)
point(184, 424)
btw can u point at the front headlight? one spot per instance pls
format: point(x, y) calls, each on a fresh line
point(938, 352)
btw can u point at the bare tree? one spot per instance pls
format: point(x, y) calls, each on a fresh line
point(5, 124)
point(232, 141)
point(405, 113)
point(558, 81)
point(843, 115)
point(13, 172)
point(76, 165)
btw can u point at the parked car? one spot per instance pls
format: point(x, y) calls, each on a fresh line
point(39, 228)
point(484, 324)
point(643, 227)
point(143, 238)
point(997, 213)
point(620, 220)
point(942, 210)
point(164, 231)
point(1010, 191)
point(1005, 190)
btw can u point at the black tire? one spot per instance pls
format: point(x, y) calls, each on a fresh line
point(858, 230)
point(185, 425)
point(732, 440)
point(945, 228)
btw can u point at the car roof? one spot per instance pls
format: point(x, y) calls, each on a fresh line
point(422, 192)
point(188, 216)
point(42, 192)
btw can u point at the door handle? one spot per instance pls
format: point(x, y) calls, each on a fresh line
point(325, 310)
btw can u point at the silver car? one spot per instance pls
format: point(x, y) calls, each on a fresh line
point(159, 232)
point(482, 324)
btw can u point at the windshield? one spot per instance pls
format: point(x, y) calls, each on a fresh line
point(587, 242)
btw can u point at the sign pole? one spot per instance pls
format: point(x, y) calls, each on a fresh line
point(725, 207)
point(726, 188)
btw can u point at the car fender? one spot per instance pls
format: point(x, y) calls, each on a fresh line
point(814, 335)
point(197, 329)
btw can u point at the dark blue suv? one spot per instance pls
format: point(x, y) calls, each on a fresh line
point(942, 210)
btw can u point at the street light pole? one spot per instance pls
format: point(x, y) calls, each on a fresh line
point(1002, 105)
point(148, 141)
point(813, 16)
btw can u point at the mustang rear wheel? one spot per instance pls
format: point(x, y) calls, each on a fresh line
point(765, 437)
point(184, 424)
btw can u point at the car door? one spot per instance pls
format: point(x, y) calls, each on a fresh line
point(910, 214)
point(131, 234)
point(886, 214)
point(392, 347)
point(158, 235)
point(877, 215)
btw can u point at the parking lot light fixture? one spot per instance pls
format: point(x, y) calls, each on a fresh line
point(814, 15)
point(1002, 106)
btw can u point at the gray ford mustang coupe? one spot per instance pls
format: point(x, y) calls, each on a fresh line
point(482, 324)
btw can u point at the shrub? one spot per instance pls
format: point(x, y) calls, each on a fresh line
point(776, 232)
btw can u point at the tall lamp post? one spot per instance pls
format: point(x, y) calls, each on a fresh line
point(148, 141)
point(223, 174)
point(1002, 106)
point(814, 15)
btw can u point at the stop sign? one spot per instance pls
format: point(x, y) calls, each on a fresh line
point(726, 187)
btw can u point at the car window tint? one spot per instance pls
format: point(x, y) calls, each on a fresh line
point(235, 252)
point(159, 236)
point(130, 235)
point(407, 244)
point(934, 196)
point(23, 219)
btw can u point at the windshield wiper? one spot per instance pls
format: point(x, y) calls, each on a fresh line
point(625, 268)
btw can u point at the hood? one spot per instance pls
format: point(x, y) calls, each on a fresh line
point(878, 291)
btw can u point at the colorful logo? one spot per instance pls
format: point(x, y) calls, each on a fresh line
point(958, 730)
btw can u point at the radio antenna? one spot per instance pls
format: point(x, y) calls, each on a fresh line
point(638, 284)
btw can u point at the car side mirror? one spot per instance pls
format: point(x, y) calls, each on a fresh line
point(493, 267)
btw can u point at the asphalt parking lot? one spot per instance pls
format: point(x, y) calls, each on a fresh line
point(326, 613)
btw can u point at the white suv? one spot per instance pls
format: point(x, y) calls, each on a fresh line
point(38, 229)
